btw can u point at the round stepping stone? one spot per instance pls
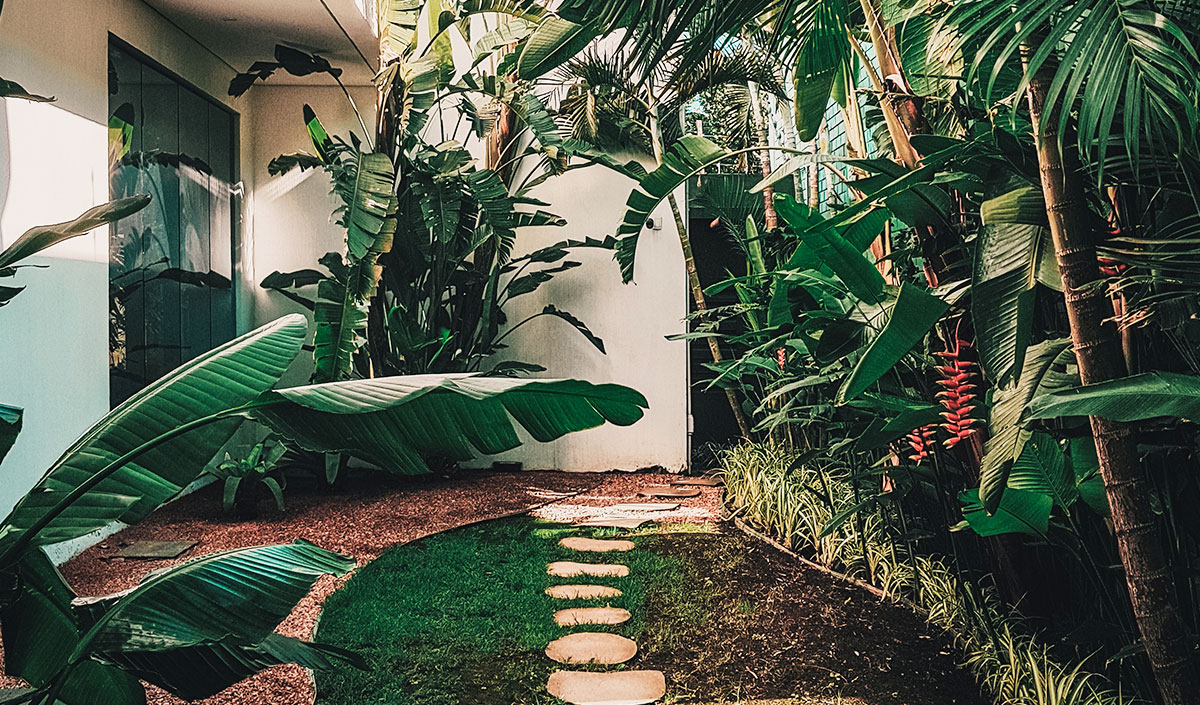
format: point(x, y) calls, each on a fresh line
point(676, 492)
point(592, 647)
point(613, 688)
point(568, 569)
point(643, 507)
point(698, 481)
point(614, 522)
point(591, 615)
point(579, 543)
point(582, 592)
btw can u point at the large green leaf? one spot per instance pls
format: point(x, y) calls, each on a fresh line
point(10, 427)
point(1020, 512)
point(1049, 366)
point(686, 157)
point(366, 189)
point(823, 54)
point(913, 314)
point(94, 683)
point(231, 375)
point(844, 258)
point(1042, 468)
point(391, 421)
point(196, 672)
point(551, 45)
point(398, 26)
point(1135, 398)
point(239, 595)
point(1011, 256)
point(37, 239)
point(38, 626)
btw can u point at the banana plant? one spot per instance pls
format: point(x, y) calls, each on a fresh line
point(199, 627)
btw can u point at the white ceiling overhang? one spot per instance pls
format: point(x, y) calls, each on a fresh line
point(241, 32)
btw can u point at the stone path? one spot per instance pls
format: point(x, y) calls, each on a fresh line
point(617, 687)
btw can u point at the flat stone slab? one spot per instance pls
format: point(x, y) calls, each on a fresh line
point(614, 688)
point(568, 569)
point(592, 647)
point(579, 543)
point(591, 615)
point(643, 507)
point(672, 492)
point(699, 481)
point(614, 522)
point(154, 550)
point(582, 592)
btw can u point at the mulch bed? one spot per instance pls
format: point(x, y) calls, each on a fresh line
point(372, 513)
point(782, 629)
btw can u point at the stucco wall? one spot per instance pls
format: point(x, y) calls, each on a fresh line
point(53, 165)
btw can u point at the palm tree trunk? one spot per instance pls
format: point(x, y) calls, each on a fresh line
point(764, 156)
point(1139, 543)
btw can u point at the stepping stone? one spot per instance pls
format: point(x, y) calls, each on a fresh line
point(613, 688)
point(154, 550)
point(614, 522)
point(579, 543)
point(699, 481)
point(674, 492)
point(591, 615)
point(643, 507)
point(592, 647)
point(567, 569)
point(582, 592)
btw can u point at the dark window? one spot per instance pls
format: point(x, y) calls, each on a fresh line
point(171, 265)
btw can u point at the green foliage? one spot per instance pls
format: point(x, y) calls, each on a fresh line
point(201, 626)
point(1138, 397)
point(241, 478)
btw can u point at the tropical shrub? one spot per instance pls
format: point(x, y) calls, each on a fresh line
point(243, 480)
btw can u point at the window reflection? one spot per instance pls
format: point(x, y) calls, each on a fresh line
point(171, 265)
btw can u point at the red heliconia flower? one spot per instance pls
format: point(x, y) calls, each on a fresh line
point(921, 441)
point(781, 357)
point(958, 394)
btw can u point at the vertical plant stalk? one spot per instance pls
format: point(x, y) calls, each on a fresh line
point(764, 156)
point(1139, 542)
point(689, 263)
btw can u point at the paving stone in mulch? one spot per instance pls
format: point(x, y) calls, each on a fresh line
point(614, 522)
point(579, 543)
point(154, 550)
point(672, 492)
point(582, 592)
point(614, 688)
point(643, 507)
point(568, 569)
point(699, 481)
point(592, 647)
point(591, 615)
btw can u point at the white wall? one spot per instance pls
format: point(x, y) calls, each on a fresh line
point(632, 319)
point(291, 215)
point(53, 165)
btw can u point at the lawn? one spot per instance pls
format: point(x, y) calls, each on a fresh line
point(462, 617)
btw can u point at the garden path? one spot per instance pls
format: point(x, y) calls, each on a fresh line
point(597, 649)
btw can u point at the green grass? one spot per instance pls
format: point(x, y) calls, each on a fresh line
point(462, 617)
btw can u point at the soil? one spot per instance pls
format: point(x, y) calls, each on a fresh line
point(780, 629)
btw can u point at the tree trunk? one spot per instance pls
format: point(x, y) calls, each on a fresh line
point(689, 262)
point(764, 156)
point(1147, 573)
